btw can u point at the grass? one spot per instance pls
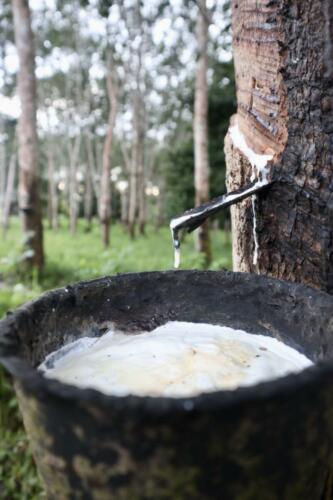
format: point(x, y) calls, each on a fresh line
point(69, 259)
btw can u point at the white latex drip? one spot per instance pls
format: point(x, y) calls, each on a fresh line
point(177, 359)
point(259, 172)
point(254, 200)
point(176, 262)
point(254, 229)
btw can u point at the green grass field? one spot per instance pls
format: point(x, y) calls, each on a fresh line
point(69, 259)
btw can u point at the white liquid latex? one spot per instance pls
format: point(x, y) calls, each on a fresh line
point(177, 359)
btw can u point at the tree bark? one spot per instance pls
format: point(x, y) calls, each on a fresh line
point(136, 178)
point(105, 195)
point(140, 137)
point(159, 210)
point(201, 160)
point(133, 192)
point(89, 189)
point(283, 54)
point(96, 152)
point(53, 202)
point(3, 168)
point(29, 201)
point(125, 195)
point(124, 207)
point(74, 152)
point(8, 196)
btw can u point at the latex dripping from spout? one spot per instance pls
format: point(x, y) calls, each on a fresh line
point(195, 217)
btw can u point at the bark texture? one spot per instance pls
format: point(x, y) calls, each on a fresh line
point(201, 161)
point(133, 189)
point(105, 195)
point(3, 166)
point(283, 55)
point(8, 196)
point(139, 158)
point(74, 155)
point(29, 201)
point(53, 199)
point(89, 182)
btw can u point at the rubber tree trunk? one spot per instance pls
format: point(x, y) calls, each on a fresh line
point(74, 152)
point(132, 202)
point(123, 207)
point(29, 201)
point(53, 201)
point(141, 171)
point(283, 54)
point(133, 205)
point(8, 197)
point(89, 188)
point(125, 194)
point(105, 195)
point(159, 210)
point(201, 161)
point(3, 165)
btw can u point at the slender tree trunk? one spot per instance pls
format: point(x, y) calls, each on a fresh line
point(201, 161)
point(52, 206)
point(74, 151)
point(132, 202)
point(134, 173)
point(137, 201)
point(141, 174)
point(3, 163)
point(283, 54)
point(124, 207)
point(105, 195)
point(125, 195)
point(8, 197)
point(96, 155)
point(141, 124)
point(89, 191)
point(159, 211)
point(29, 201)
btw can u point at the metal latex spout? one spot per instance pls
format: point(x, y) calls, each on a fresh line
point(193, 218)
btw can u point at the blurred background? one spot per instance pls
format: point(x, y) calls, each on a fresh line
point(133, 100)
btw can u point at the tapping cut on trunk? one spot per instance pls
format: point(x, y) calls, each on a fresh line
point(284, 77)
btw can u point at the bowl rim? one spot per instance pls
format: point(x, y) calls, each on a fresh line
point(34, 382)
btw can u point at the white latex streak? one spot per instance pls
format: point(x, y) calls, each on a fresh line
point(259, 171)
point(177, 359)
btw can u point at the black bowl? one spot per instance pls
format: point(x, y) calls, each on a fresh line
point(270, 441)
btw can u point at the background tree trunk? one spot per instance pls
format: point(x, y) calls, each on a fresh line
point(201, 161)
point(53, 202)
point(89, 190)
point(3, 166)
point(141, 165)
point(133, 190)
point(96, 155)
point(124, 207)
point(8, 196)
point(283, 54)
point(159, 210)
point(136, 178)
point(29, 201)
point(125, 194)
point(105, 195)
point(74, 152)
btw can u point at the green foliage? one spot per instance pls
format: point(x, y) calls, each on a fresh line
point(18, 479)
point(177, 160)
point(70, 259)
point(179, 192)
point(222, 104)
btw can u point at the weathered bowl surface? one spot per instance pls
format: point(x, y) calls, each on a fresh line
point(270, 441)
